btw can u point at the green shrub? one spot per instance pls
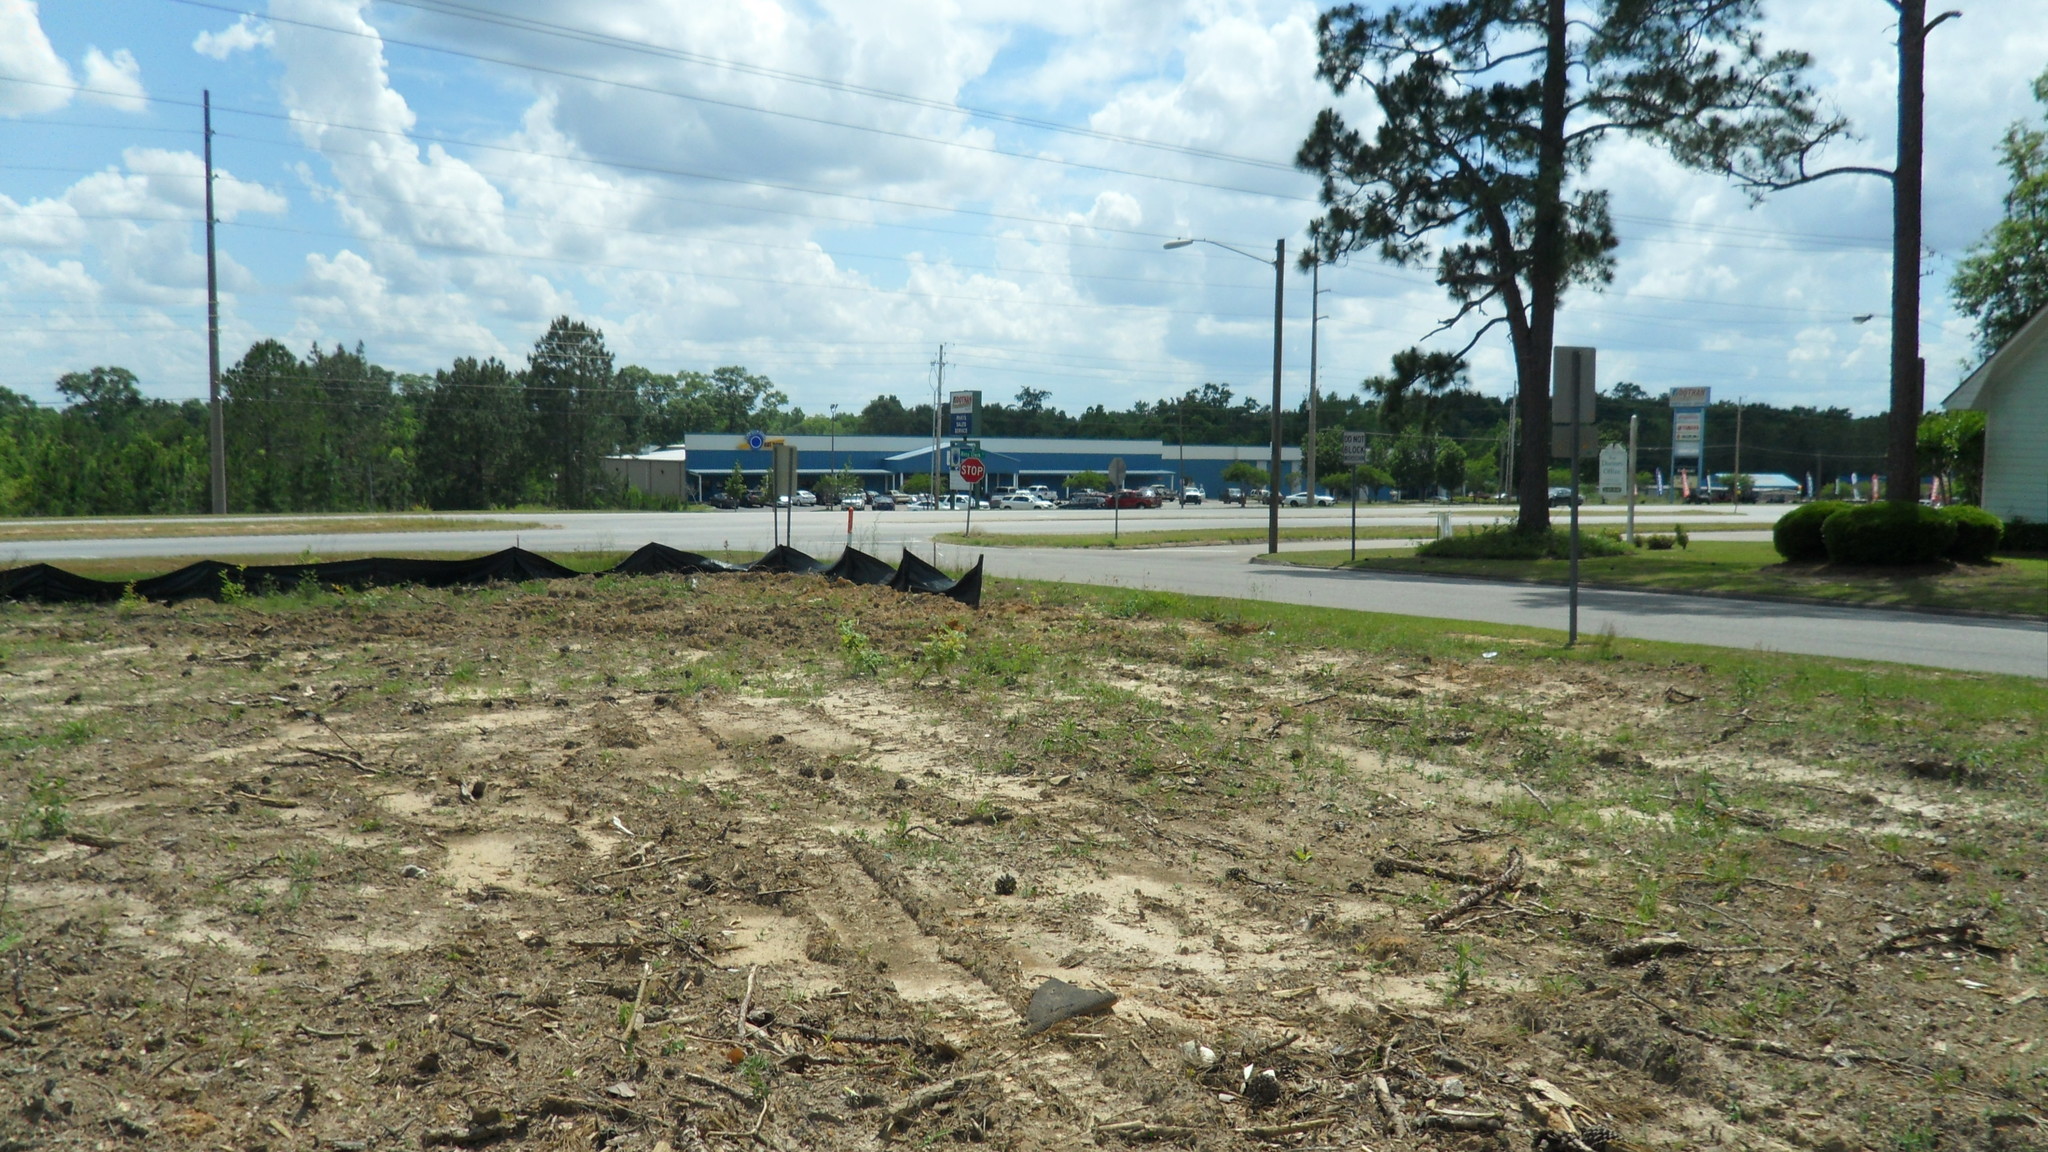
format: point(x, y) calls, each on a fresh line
point(1977, 533)
point(1887, 534)
point(1505, 542)
point(2023, 535)
point(1797, 535)
point(1658, 543)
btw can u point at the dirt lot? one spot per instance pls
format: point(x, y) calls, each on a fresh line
point(673, 864)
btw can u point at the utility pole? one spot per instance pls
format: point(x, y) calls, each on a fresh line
point(1273, 485)
point(938, 394)
point(1315, 297)
point(217, 421)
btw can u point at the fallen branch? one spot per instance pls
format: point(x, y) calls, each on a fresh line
point(817, 1033)
point(1389, 865)
point(703, 1081)
point(1145, 1130)
point(1390, 1106)
point(342, 757)
point(1510, 877)
point(1275, 1131)
point(1651, 949)
point(1961, 934)
point(1463, 1122)
point(917, 1103)
point(498, 1046)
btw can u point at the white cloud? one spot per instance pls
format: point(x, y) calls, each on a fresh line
point(116, 80)
point(40, 78)
point(241, 36)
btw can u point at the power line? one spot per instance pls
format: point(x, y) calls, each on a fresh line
point(743, 106)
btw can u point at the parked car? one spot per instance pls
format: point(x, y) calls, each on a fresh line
point(1023, 500)
point(881, 501)
point(918, 503)
point(1234, 496)
point(721, 500)
point(1562, 498)
point(805, 498)
point(1191, 495)
point(854, 500)
point(1129, 498)
point(1302, 500)
point(1084, 501)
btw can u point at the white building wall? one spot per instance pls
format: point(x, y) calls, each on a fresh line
point(2016, 440)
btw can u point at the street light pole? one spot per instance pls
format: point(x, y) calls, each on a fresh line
point(1279, 263)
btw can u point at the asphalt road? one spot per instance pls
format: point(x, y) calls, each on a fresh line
point(1865, 634)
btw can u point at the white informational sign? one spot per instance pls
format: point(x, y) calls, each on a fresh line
point(1688, 432)
point(1614, 471)
point(1355, 447)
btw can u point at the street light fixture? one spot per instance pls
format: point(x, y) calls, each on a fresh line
point(1279, 263)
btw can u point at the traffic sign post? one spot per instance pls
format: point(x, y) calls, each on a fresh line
point(1355, 448)
point(1116, 491)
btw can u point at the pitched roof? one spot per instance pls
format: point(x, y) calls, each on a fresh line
point(1972, 388)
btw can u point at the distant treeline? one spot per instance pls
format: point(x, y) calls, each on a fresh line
point(331, 431)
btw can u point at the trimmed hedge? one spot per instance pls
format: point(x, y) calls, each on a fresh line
point(1797, 535)
point(1888, 534)
point(1504, 542)
point(1977, 533)
point(2023, 535)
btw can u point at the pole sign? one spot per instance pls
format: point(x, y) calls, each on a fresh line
point(1688, 422)
point(1355, 446)
point(1572, 398)
point(961, 411)
point(785, 470)
point(1614, 471)
point(957, 454)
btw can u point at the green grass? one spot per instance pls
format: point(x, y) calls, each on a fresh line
point(87, 528)
point(1861, 711)
point(2012, 586)
point(1181, 537)
point(1138, 537)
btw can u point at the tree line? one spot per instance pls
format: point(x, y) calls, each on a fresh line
point(333, 431)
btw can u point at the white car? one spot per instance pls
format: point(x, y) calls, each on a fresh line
point(805, 498)
point(1301, 500)
point(1026, 500)
point(853, 500)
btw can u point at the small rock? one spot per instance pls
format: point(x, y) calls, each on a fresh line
point(1006, 885)
point(1057, 1001)
point(826, 773)
point(1196, 1055)
point(413, 872)
point(902, 784)
point(807, 772)
point(622, 1090)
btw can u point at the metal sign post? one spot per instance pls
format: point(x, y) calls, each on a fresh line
point(1571, 411)
point(968, 473)
point(1354, 455)
point(1632, 481)
point(1116, 491)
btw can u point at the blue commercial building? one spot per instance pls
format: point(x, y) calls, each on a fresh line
point(885, 463)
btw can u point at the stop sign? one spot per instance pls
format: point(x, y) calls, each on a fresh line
point(972, 470)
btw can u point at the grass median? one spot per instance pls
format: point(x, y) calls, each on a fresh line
point(2013, 586)
point(22, 531)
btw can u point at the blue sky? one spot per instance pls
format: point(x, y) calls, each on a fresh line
point(795, 187)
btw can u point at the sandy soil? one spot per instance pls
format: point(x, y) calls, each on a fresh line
point(653, 865)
